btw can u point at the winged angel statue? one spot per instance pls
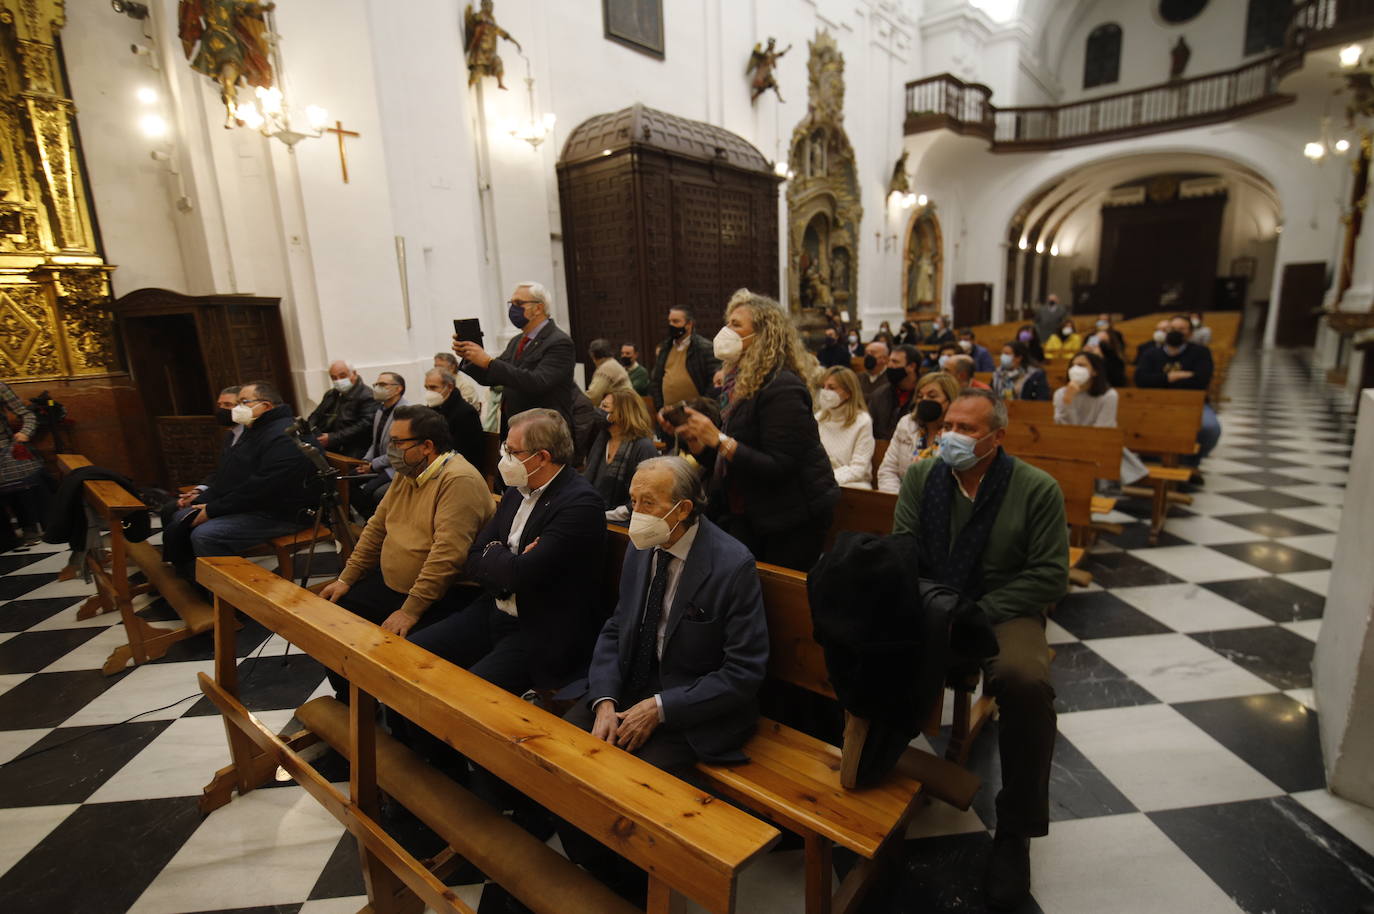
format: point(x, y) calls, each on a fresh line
point(762, 63)
point(234, 48)
point(480, 35)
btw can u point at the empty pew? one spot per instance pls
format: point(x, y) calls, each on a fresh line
point(689, 844)
point(114, 593)
point(1100, 446)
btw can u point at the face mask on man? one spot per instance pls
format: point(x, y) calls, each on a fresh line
point(729, 345)
point(675, 332)
point(243, 414)
point(828, 399)
point(1159, 336)
point(895, 375)
point(434, 397)
point(396, 456)
point(966, 345)
point(870, 363)
point(958, 450)
point(516, 313)
point(1103, 325)
point(626, 360)
point(1008, 361)
point(928, 411)
point(224, 417)
point(1173, 340)
point(342, 384)
point(513, 471)
point(1079, 375)
point(649, 530)
point(381, 392)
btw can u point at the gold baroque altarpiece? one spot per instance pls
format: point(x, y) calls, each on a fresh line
point(55, 319)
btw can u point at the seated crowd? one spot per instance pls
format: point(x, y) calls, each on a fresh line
point(739, 459)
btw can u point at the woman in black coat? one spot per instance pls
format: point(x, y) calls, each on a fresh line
point(771, 485)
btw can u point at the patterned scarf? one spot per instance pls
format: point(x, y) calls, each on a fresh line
point(956, 565)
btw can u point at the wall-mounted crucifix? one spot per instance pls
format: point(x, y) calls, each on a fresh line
point(339, 130)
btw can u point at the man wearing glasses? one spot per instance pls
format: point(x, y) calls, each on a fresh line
point(403, 571)
point(261, 489)
point(536, 369)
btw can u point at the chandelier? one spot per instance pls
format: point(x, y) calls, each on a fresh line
point(270, 115)
point(536, 128)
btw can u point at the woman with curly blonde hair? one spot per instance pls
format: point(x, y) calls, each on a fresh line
point(771, 483)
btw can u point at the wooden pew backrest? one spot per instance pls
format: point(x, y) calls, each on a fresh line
point(1157, 421)
point(1099, 446)
point(1076, 480)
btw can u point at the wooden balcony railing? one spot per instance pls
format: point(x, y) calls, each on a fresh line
point(946, 102)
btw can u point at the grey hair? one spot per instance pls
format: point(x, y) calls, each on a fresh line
point(686, 485)
point(231, 391)
point(444, 375)
point(449, 358)
point(539, 294)
point(999, 406)
point(266, 390)
point(546, 430)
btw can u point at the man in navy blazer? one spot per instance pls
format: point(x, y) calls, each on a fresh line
point(676, 669)
point(540, 561)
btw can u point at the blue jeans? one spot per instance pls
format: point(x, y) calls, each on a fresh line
point(232, 534)
point(1210, 433)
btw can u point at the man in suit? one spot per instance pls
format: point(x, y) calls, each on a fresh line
point(224, 406)
point(675, 671)
point(536, 369)
point(343, 419)
point(686, 362)
point(389, 392)
point(539, 560)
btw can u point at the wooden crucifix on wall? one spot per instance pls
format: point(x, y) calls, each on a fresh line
point(338, 129)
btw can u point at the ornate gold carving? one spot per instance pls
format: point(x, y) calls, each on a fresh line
point(55, 316)
point(823, 196)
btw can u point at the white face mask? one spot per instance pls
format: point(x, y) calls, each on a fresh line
point(1079, 375)
point(648, 531)
point(242, 414)
point(381, 392)
point(433, 398)
point(828, 399)
point(966, 345)
point(728, 344)
point(342, 384)
point(1159, 337)
point(512, 470)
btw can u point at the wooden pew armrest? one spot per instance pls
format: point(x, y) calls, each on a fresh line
point(1171, 474)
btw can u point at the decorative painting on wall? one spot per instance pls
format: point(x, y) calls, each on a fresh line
point(823, 208)
point(637, 24)
point(923, 262)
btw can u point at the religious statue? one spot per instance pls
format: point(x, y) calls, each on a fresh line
point(900, 183)
point(234, 47)
point(817, 155)
point(839, 272)
point(1178, 59)
point(815, 289)
point(480, 35)
point(762, 63)
point(925, 279)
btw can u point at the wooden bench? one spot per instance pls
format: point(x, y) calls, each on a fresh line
point(689, 844)
point(1164, 423)
point(1099, 446)
point(114, 593)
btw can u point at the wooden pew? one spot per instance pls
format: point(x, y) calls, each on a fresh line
point(287, 546)
point(1100, 446)
point(1165, 423)
point(688, 843)
point(491, 456)
point(114, 593)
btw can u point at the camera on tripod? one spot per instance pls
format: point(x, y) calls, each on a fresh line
point(300, 433)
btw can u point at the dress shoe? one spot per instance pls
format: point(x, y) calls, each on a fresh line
point(1007, 883)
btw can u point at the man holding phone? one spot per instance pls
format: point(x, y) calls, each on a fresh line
point(536, 368)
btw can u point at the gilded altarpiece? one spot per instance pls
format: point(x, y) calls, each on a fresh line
point(823, 208)
point(55, 320)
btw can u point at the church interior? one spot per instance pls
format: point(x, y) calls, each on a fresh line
point(199, 196)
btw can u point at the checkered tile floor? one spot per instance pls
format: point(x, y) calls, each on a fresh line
point(1187, 775)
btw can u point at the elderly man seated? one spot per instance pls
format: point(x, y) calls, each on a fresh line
point(961, 367)
point(390, 393)
point(343, 419)
point(402, 572)
point(539, 559)
point(464, 424)
point(262, 488)
point(466, 388)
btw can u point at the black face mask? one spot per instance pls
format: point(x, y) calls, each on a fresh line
point(626, 361)
point(1173, 339)
point(223, 417)
point(895, 376)
point(675, 333)
point(927, 411)
point(870, 363)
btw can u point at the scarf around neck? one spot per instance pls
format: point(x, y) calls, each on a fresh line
point(956, 564)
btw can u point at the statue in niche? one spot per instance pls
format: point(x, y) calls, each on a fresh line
point(839, 270)
point(900, 183)
point(1178, 59)
point(233, 48)
point(480, 37)
point(925, 278)
point(762, 63)
point(815, 289)
point(816, 154)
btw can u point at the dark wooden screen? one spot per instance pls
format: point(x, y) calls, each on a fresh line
point(1148, 250)
point(1300, 298)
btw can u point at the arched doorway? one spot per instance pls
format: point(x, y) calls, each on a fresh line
point(923, 262)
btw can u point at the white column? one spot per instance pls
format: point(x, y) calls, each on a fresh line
point(1344, 663)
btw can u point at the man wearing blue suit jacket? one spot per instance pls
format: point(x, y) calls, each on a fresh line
point(540, 560)
point(676, 669)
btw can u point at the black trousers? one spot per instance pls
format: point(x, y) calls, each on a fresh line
point(796, 547)
point(482, 640)
point(374, 601)
point(1019, 678)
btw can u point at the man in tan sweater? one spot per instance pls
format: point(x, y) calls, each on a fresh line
point(403, 570)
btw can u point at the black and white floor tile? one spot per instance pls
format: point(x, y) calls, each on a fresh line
point(1187, 777)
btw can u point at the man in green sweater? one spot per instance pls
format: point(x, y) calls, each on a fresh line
point(994, 528)
point(403, 570)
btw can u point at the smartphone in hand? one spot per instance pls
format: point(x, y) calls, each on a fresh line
point(468, 330)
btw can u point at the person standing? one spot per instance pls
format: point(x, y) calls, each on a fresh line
point(21, 471)
point(609, 374)
point(993, 527)
point(639, 375)
point(686, 362)
point(536, 368)
point(1050, 317)
point(771, 483)
point(343, 419)
point(619, 448)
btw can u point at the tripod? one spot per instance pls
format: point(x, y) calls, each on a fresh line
point(327, 478)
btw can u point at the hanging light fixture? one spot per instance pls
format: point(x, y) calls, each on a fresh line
point(538, 127)
point(270, 112)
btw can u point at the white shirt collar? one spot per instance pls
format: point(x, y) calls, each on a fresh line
point(527, 492)
point(683, 546)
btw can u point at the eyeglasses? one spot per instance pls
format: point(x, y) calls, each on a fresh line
point(398, 441)
point(522, 304)
point(507, 452)
point(251, 402)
